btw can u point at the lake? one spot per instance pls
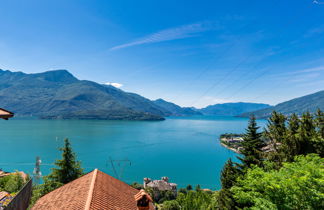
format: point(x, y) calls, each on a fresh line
point(186, 149)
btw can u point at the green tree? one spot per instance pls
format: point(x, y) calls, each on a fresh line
point(189, 187)
point(170, 205)
point(229, 175)
point(297, 185)
point(69, 168)
point(12, 183)
point(291, 146)
point(307, 133)
point(320, 123)
point(252, 144)
point(276, 133)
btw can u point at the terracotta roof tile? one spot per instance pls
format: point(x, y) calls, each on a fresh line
point(70, 196)
point(5, 114)
point(95, 190)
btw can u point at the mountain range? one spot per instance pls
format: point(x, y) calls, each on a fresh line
point(59, 95)
point(299, 105)
point(232, 109)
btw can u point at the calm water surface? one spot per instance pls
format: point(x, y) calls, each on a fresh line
point(187, 150)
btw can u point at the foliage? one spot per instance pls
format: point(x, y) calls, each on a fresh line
point(252, 145)
point(283, 177)
point(171, 205)
point(11, 183)
point(192, 200)
point(230, 135)
point(69, 168)
point(297, 185)
point(228, 175)
point(137, 185)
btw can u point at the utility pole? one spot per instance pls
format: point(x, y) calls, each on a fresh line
point(121, 165)
point(37, 172)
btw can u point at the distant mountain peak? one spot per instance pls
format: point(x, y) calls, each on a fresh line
point(60, 75)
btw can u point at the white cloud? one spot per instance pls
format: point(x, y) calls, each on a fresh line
point(115, 84)
point(180, 32)
point(319, 68)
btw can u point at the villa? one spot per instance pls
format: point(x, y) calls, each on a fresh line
point(158, 186)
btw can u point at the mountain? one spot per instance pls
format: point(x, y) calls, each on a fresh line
point(175, 110)
point(298, 105)
point(58, 94)
point(232, 109)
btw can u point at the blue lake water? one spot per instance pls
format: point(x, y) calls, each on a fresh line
point(186, 149)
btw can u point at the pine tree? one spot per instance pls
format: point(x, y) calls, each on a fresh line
point(318, 144)
point(276, 133)
point(320, 123)
point(228, 180)
point(252, 144)
point(291, 146)
point(225, 200)
point(228, 175)
point(307, 133)
point(189, 187)
point(69, 168)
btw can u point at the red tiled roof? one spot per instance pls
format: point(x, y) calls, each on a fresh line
point(5, 114)
point(95, 190)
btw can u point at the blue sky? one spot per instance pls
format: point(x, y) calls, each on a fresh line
point(193, 53)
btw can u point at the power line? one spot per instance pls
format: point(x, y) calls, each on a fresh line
point(253, 79)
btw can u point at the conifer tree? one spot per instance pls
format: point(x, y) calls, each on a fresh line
point(228, 175)
point(276, 134)
point(69, 168)
point(318, 144)
point(307, 133)
point(252, 145)
point(228, 179)
point(320, 123)
point(291, 146)
point(225, 200)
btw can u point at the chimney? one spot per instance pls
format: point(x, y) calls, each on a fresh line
point(143, 200)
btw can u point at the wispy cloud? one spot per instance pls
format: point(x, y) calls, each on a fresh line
point(314, 69)
point(315, 31)
point(180, 32)
point(115, 84)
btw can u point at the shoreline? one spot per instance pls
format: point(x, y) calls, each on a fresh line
point(230, 148)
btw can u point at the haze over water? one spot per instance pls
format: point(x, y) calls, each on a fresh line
point(187, 150)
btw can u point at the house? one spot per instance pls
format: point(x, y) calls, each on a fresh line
point(95, 190)
point(5, 114)
point(159, 186)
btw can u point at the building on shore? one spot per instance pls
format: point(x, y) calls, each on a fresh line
point(159, 186)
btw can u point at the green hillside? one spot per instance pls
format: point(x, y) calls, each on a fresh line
point(298, 105)
point(58, 94)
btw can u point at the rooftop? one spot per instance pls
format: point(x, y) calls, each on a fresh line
point(95, 190)
point(5, 114)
